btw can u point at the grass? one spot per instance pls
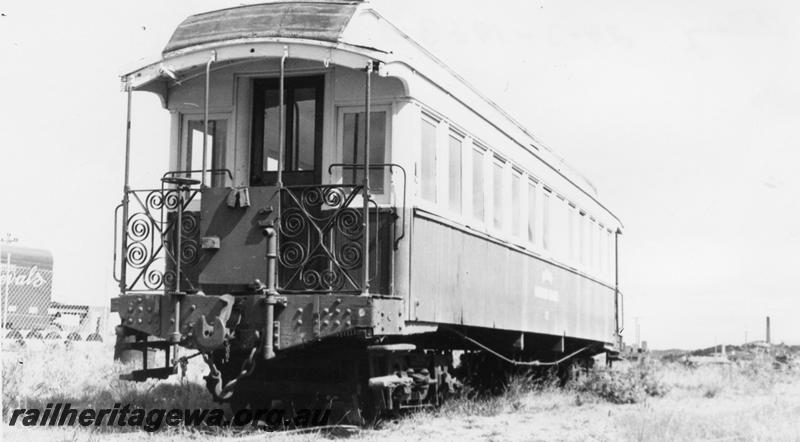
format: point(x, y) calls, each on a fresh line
point(643, 402)
point(630, 385)
point(85, 375)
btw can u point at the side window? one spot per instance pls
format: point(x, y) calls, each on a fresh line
point(428, 160)
point(191, 155)
point(353, 147)
point(478, 189)
point(600, 247)
point(592, 243)
point(498, 193)
point(611, 252)
point(454, 172)
point(602, 253)
point(584, 226)
point(560, 227)
point(546, 219)
point(516, 202)
point(531, 211)
point(573, 232)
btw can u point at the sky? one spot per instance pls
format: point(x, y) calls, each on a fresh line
point(684, 115)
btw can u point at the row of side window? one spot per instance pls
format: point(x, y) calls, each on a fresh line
point(475, 186)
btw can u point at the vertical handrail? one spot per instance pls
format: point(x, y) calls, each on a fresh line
point(206, 94)
point(178, 231)
point(7, 292)
point(365, 189)
point(391, 167)
point(281, 119)
point(272, 272)
point(617, 294)
point(377, 218)
point(620, 312)
point(271, 292)
point(126, 190)
point(116, 232)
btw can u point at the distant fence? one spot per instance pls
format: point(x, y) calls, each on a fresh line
point(28, 312)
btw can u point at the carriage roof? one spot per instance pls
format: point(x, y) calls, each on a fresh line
point(323, 21)
point(346, 33)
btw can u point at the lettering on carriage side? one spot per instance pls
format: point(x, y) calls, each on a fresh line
point(547, 276)
point(546, 293)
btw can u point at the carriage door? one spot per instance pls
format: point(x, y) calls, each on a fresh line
point(302, 148)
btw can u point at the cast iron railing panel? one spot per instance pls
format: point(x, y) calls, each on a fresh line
point(148, 245)
point(321, 233)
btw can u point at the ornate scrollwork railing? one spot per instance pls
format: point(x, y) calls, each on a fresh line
point(149, 241)
point(321, 233)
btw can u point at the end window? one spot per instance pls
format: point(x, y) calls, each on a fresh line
point(192, 149)
point(353, 147)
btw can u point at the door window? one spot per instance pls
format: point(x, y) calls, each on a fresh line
point(303, 97)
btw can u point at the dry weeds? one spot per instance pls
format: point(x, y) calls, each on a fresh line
point(749, 401)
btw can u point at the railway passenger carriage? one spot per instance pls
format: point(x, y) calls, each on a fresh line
point(267, 248)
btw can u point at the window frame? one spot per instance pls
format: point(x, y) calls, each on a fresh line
point(502, 229)
point(517, 208)
point(546, 211)
point(478, 149)
point(453, 133)
point(583, 219)
point(574, 233)
point(338, 174)
point(532, 209)
point(183, 144)
point(260, 177)
point(560, 227)
point(436, 123)
point(610, 254)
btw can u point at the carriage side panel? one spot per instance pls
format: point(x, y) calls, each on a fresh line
point(463, 278)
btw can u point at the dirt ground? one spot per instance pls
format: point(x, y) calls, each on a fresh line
point(733, 415)
point(716, 402)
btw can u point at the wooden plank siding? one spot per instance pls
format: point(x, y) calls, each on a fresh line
point(463, 278)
